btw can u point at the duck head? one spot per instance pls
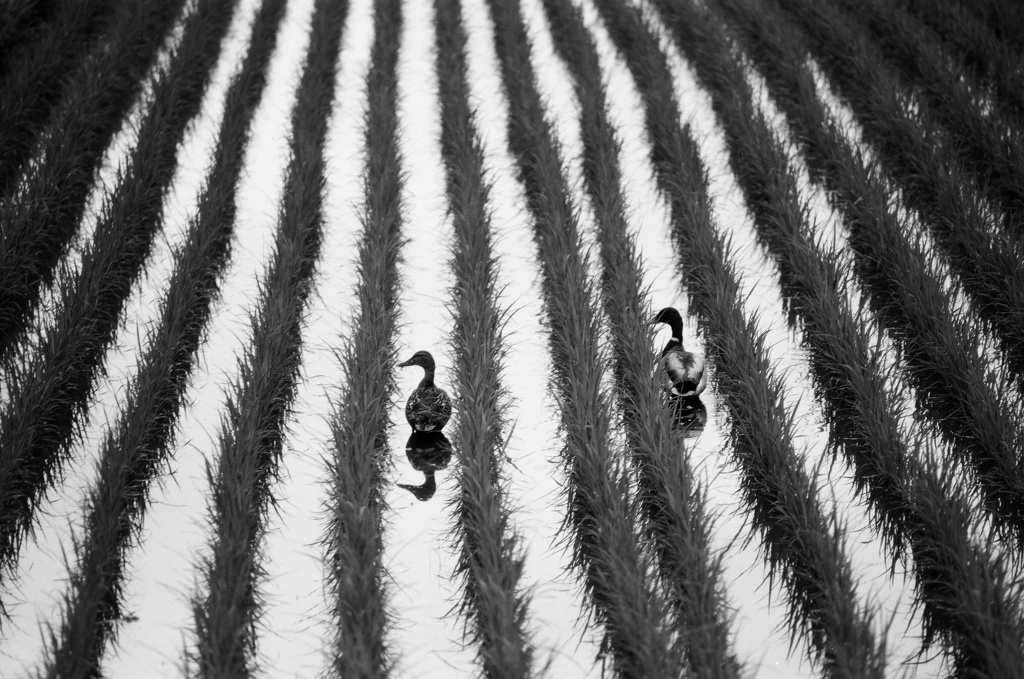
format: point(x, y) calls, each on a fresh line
point(425, 491)
point(422, 359)
point(670, 317)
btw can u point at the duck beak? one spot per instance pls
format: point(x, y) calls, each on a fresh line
point(405, 364)
point(653, 320)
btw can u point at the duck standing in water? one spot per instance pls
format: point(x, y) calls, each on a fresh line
point(428, 407)
point(684, 369)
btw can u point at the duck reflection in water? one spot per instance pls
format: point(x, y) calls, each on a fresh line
point(689, 414)
point(427, 451)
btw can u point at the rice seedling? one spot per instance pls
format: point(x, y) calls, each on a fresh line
point(490, 552)
point(984, 144)
point(992, 63)
point(49, 384)
point(137, 446)
point(637, 639)
point(35, 80)
point(672, 499)
point(252, 433)
point(40, 219)
point(358, 459)
point(802, 544)
point(917, 512)
point(940, 347)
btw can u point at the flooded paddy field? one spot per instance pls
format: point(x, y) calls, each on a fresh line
point(206, 467)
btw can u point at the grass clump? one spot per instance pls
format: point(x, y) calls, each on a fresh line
point(919, 510)
point(994, 153)
point(35, 80)
point(20, 21)
point(252, 433)
point(985, 259)
point(940, 347)
point(637, 637)
point(802, 545)
point(1004, 19)
point(134, 450)
point(358, 459)
point(490, 553)
point(992, 64)
point(673, 501)
point(39, 220)
point(50, 383)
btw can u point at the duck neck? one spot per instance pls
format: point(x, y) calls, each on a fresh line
point(677, 329)
point(674, 344)
point(428, 378)
point(677, 334)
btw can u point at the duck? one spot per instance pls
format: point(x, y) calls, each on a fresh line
point(428, 407)
point(684, 369)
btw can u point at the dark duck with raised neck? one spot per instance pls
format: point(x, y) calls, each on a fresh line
point(428, 407)
point(684, 369)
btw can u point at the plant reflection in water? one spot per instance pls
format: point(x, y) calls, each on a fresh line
point(427, 451)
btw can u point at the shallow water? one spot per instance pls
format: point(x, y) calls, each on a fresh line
point(175, 532)
point(418, 552)
point(428, 635)
point(44, 560)
point(298, 633)
point(532, 442)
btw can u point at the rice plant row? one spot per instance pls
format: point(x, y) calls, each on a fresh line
point(965, 228)
point(490, 552)
point(984, 142)
point(136, 448)
point(40, 219)
point(802, 544)
point(672, 499)
point(639, 530)
point(991, 63)
point(50, 383)
point(1004, 19)
point(984, 258)
point(20, 22)
point(358, 461)
point(919, 512)
point(940, 346)
point(636, 626)
point(34, 81)
point(251, 435)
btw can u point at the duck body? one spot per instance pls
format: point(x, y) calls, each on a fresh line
point(428, 407)
point(683, 370)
